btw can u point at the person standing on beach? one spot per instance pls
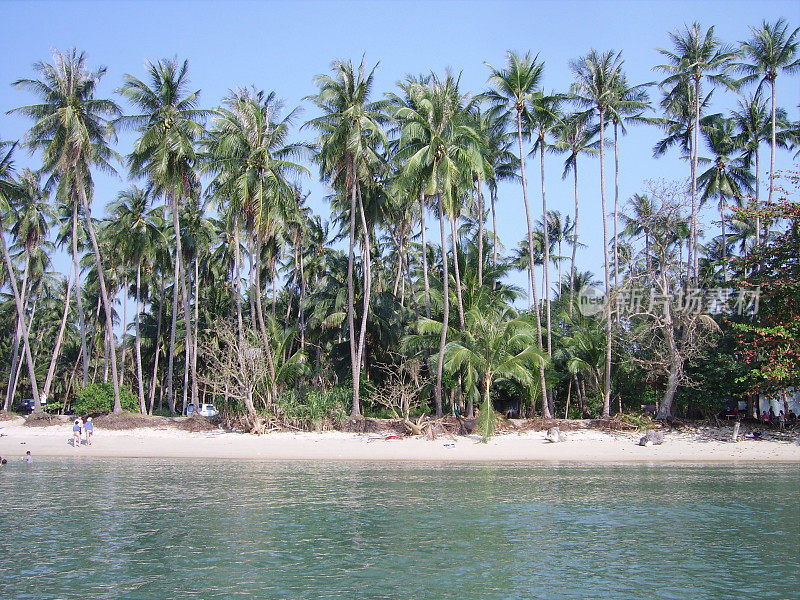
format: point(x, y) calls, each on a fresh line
point(89, 427)
point(76, 433)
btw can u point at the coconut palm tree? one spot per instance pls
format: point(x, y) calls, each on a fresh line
point(9, 189)
point(136, 231)
point(72, 130)
point(439, 146)
point(575, 135)
point(772, 48)
point(31, 218)
point(247, 149)
point(169, 124)
point(696, 56)
point(628, 106)
point(350, 135)
point(596, 88)
point(514, 86)
point(727, 177)
point(542, 121)
point(495, 344)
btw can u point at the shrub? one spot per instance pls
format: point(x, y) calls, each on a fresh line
point(315, 406)
point(99, 398)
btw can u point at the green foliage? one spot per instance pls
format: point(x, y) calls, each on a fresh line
point(643, 422)
point(487, 420)
point(99, 398)
point(314, 407)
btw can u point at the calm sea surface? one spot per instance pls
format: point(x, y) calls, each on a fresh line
point(160, 529)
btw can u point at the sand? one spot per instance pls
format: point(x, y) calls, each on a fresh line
point(584, 446)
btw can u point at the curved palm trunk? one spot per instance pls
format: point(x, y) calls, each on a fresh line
point(574, 239)
point(424, 255)
point(446, 317)
point(15, 358)
point(607, 383)
point(104, 295)
point(79, 295)
point(546, 227)
point(355, 411)
point(21, 316)
point(51, 370)
point(724, 239)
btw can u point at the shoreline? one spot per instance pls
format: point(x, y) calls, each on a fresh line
point(581, 446)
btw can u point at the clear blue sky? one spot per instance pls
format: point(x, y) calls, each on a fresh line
point(281, 46)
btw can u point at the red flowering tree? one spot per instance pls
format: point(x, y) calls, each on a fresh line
point(770, 343)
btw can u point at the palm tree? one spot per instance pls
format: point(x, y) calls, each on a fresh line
point(576, 135)
point(542, 121)
point(638, 222)
point(32, 217)
point(596, 87)
point(696, 56)
point(170, 124)
point(247, 149)
point(514, 86)
point(136, 230)
point(8, 190)
point(438, 145)
point(628, 106)
point(495, 344)
point(72, 131)
point(351, 132)
point(772, 48)
point(727, 177)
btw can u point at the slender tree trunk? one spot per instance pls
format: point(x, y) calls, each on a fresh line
point(446, 317)
point(530, 240)
point(457, 273)
point(574, 239)
point(124, 327)
point(187, 315)
point(546, 227)
point(18, 370)
point(138, 341)
point(424, 255)
point(59, 339)
point(695, 143)
point(195, 401)
point(772, 146)
point(15, 358)
point(367, 290)
point(480, 234)
point(758, 203)
point(354, 357)
point(616, 206)
point(724, 239)
point(104, 295)
point(265, 338)
point(493, 195)
point(157, 347)
point(237, 283)
point(79, 295)
point(607, 383)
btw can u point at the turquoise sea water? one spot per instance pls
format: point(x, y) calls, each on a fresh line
point(159, 529)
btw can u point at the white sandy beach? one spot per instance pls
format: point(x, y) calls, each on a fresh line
point(580, 446)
